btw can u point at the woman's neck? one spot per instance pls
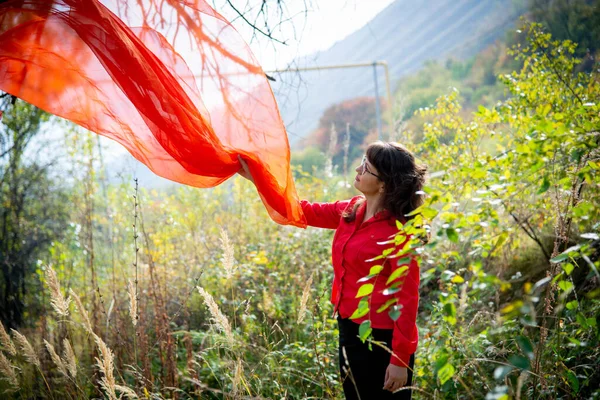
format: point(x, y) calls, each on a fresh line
point(374, 204)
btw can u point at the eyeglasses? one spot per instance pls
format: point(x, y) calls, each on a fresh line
point(364, 168)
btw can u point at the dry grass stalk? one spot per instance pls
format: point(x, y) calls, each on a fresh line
point(228, 254)
point(133, 306)
point(346, 148)
point(106, 365)
point(56, 359)
point(331, 151)
point(6, 342)
point(267, 303)
point(304, 300)
point(26, 348)
point(86, 319)
point(237, 377)
point(69, 358)
point(219, 319)
point(8, 372)
point(128, 392)
point(57, 299)
point(462, 302)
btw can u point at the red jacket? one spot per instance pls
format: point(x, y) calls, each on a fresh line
point(353, 244)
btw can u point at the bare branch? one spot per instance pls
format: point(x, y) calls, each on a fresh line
point(253, 25)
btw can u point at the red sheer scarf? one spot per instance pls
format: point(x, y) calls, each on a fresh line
point(181, 91)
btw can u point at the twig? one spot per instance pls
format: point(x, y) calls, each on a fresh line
point(257, 29)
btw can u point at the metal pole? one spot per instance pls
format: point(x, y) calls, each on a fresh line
point(323, 67)
point(377, 109)
point(344, 66)
point(355, 65)
point(389, 95)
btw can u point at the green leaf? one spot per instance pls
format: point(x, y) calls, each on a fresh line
point(501, 239)
point(375, 269)
point(582, 320)
point(519, 361)
point(568, 268)
point(445, 373)
point(429, 213)
point(397, 274)
point(565, 254)
point(426, 212)
point(441, 360)
point(452, 235)
point(365, 290)
point(373, 272)
point(364, 330)
point(572, 305)
point(545, 185)
point(576, 154)
point(361, 310)
point(366, 278)
point(545, 110)
point(358, 313)
point(386, 305)
point(559, 258)
point(590, 235)
point(573, 381)
point(403, 260)
point(395, 312)
point(502, 371)
point(565, 286)
point(392, 290)
point(512, 307)
point(450, 311)
point(387, 252)
point(525, 346)
point(542, 282)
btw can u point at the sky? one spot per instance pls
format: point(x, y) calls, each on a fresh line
point(324, 23)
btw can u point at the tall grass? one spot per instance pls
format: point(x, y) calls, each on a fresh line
point(213, 314)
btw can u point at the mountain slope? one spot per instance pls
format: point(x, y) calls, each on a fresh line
point(406, 34)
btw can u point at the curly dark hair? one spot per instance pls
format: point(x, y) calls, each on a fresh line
point(402, 176)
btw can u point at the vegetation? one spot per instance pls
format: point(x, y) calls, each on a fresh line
point(343, 129)
point(514, 283)
point(188, 293)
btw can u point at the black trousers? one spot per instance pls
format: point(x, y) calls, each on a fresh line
point(363, 370)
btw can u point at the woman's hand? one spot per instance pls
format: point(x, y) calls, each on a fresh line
point(395, 377)
point(245, 171)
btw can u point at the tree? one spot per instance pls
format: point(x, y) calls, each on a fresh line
point(359, 113)
point(518, 178)
point(574, 20)
point(31, 210)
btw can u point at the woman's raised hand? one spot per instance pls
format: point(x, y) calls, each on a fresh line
point(244, 171)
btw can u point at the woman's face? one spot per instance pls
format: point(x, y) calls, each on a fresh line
point(367, 178)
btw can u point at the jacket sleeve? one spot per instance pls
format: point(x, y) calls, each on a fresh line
point(406, 335)
point(324, 215)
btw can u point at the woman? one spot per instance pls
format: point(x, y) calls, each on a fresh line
point(390, 181)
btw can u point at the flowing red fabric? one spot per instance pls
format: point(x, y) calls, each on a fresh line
point(170, 80)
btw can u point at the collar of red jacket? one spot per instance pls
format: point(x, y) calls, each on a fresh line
point(384, 214)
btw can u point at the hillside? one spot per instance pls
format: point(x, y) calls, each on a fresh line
point(406, 35)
